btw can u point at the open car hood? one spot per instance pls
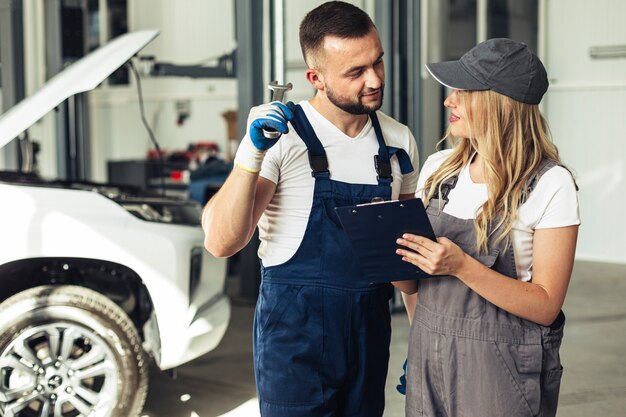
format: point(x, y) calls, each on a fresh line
point(83, 75)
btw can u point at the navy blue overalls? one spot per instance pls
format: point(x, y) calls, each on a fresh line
point(321, 331)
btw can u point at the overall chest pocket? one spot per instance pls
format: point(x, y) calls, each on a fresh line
point(329, 209)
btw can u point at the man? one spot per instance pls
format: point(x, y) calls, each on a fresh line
point(321, 330)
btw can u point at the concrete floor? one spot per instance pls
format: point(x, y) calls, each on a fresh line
point(221, 383)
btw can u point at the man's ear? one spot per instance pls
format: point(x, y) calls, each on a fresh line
point(316, 78)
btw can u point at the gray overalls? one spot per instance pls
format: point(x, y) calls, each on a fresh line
point(468, 357)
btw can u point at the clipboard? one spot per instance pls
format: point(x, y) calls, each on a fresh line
point(373, 230)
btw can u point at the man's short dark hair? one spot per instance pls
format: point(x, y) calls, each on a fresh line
point(334, 18)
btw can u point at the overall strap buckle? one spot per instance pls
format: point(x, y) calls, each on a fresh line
point(383, 168)
point(447, 186)
point(319, 164)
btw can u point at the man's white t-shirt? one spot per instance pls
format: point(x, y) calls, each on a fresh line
point(552, 203)
point(350, 160)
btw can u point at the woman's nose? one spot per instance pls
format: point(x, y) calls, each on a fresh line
point(451, 100)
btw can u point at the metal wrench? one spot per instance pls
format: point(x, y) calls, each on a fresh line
point(278, 94)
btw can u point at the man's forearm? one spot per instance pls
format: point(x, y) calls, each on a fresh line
point(227, 218)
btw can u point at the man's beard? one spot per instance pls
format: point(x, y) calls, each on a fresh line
point(354, 107)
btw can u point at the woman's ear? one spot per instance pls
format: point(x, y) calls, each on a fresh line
point(315, 78)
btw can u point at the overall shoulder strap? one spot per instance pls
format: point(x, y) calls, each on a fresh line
point(317, 154)
point(544, 167)
point(381, 161)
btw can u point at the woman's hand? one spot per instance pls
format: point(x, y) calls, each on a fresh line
point(443, 257)
point(539, 300)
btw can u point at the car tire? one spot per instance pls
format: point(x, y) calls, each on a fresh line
point(69, 351)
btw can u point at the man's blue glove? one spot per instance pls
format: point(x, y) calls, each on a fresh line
point(269, 117)
point(402, 386)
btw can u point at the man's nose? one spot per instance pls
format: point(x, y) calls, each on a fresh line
point(374, 78)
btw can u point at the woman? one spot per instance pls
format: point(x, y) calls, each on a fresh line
point(486, 331)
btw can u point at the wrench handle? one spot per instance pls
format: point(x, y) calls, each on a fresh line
point(278, 94)
point(271, 134)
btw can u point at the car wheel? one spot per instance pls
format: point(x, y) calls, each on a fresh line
point(68, 351)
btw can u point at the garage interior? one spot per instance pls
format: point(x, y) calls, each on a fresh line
point(212, 61)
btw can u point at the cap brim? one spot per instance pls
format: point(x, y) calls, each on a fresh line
point(453, 75)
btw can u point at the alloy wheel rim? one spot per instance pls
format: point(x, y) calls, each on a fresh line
point(61, 369)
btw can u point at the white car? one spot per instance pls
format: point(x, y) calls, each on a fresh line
point(93, 276)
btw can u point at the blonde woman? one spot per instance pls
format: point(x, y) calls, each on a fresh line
point(486, 331)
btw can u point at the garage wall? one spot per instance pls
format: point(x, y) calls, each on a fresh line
point(585, 106)
point(191, 32)
point(42, 131)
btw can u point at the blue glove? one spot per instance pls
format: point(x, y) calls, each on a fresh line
point(270, 117)
point(402, 386)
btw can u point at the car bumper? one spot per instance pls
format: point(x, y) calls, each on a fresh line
point(203, 333)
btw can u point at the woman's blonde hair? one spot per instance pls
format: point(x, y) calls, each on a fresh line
point(514, 139)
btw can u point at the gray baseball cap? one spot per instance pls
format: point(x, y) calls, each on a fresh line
point(502, 65)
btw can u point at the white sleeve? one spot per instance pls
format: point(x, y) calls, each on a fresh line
point(409, 181)
point(430, 166)
point(556, 194)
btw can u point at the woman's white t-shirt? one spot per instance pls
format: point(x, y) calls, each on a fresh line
point(552, 203)
point(350, 160)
